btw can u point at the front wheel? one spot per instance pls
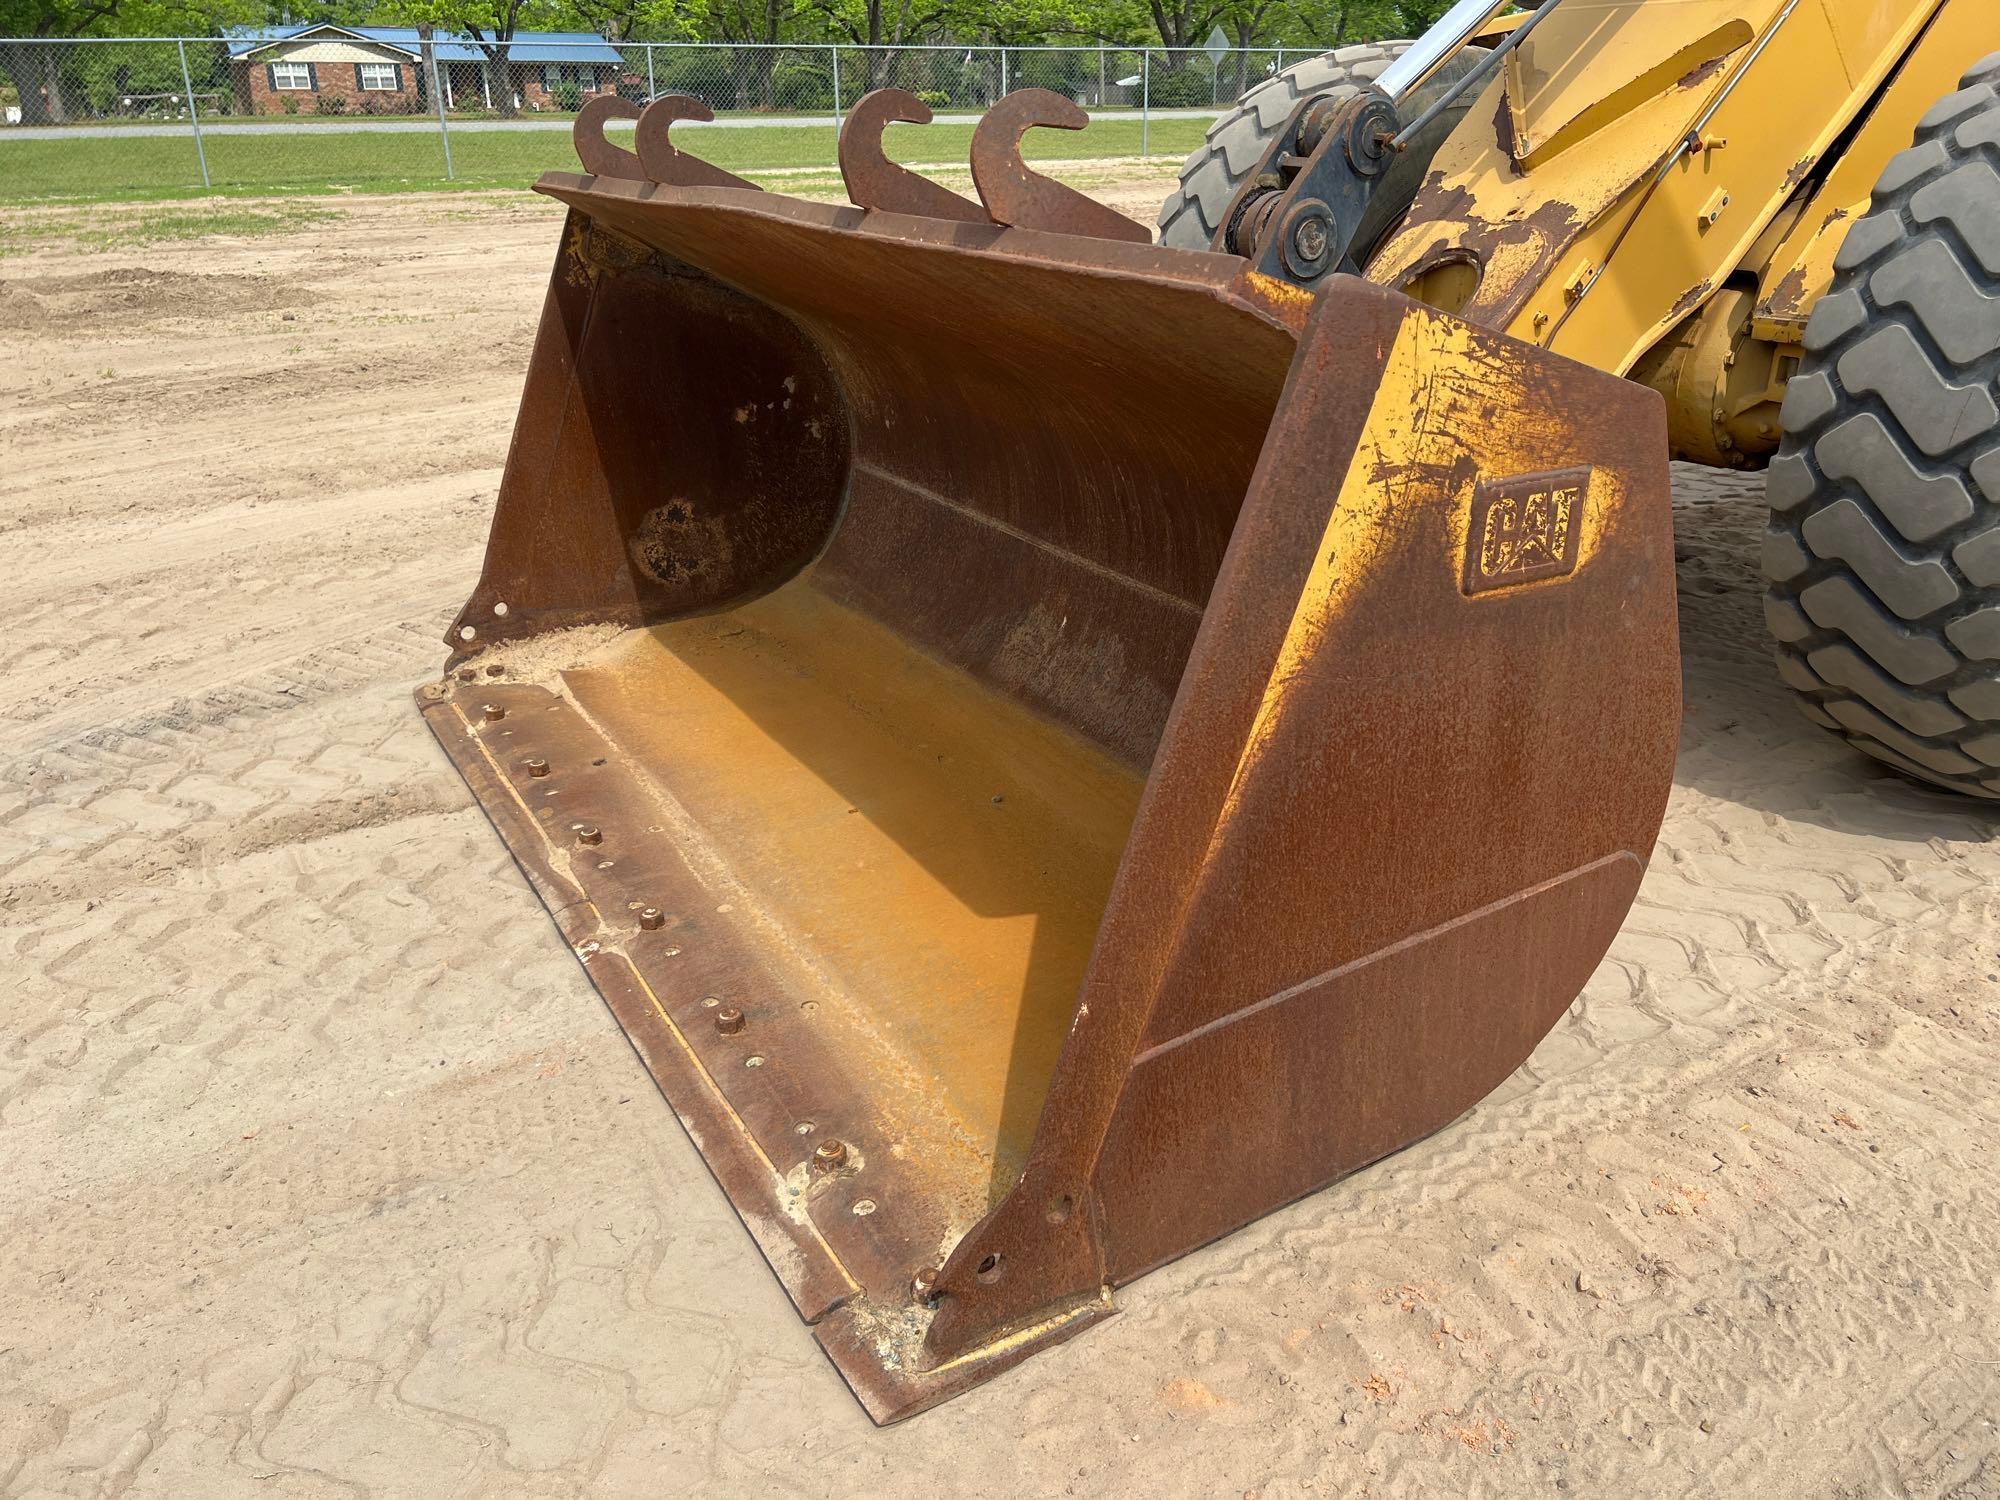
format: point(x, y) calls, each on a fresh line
point(1883, 553)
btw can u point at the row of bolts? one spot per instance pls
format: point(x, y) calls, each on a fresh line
point(729, 1021)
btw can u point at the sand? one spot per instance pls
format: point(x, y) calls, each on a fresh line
point(326, 1172)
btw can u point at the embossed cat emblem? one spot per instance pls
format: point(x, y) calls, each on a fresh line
point(1524, 529)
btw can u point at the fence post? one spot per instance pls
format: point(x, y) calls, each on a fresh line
point(652, 89)
point(437, 99)
point(1146, 103)
point(835, 50)
point(1100, 76)
point(1281, 61)
point(1003, 72)
point(194, 114)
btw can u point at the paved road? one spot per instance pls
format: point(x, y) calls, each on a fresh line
point(428, 126)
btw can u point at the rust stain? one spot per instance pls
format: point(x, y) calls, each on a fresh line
point(1504, 136)
point(1690, 299)
point(1550, 229)
point(1789, 294)
point(1702, 72)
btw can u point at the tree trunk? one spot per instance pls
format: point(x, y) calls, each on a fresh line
point(499, 81)
point(1246, 31)
point(19, 65)
point(37, 76)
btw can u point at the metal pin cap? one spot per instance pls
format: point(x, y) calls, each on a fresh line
point(829, 1154)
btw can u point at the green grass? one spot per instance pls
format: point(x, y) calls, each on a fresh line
point(97, 230)
point(360, 161)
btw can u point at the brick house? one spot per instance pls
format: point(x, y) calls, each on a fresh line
point(324, 69)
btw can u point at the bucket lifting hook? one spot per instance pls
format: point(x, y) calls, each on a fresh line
point(1025, 199)
point(873, 181)
point(667, 164)
point(599, 157)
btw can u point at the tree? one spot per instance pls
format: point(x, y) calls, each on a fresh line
point(882, 26)
point(1184, 24)
point(763, 22)
point(491, 26)
point(39, 66)
point(1335, 23)
point(1248, 23)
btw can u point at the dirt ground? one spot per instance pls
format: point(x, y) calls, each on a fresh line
point(327, 1173)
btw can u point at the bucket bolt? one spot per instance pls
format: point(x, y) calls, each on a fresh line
point(492, 713)
point(729, 1021)
point(830, 1155)
point(923, 1287)
point(652, 919)
point(536, 766)
point(589, 835)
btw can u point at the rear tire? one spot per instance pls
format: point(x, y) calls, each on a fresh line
point(1883, 553)
point(1210, 178)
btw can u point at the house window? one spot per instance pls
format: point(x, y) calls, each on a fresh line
point(386, 76)
point(293, 75)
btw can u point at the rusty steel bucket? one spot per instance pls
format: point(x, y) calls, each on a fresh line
point(1050, 747)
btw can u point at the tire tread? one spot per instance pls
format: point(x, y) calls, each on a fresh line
point(1883, 558)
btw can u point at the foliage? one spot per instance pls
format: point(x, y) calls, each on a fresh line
point(705, 75)
point(1182, 88)
point(1181, 26)
point(896, 35)
point(800, 84)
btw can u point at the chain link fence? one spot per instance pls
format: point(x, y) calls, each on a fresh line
point(380, 107)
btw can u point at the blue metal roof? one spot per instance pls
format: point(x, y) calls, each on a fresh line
point(452, 46)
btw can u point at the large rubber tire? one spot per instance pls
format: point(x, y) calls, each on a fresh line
point(1236, 142)
point(1883, 552)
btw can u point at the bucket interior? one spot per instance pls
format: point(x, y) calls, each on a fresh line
point(914, 762)
point(939, 855)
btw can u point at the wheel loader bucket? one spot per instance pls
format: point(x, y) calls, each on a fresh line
point(1051, 747)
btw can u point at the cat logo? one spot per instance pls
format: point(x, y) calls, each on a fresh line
point(1524, 529)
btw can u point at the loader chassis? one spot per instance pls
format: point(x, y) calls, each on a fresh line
point(1638, 159)
point(1032, 821)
